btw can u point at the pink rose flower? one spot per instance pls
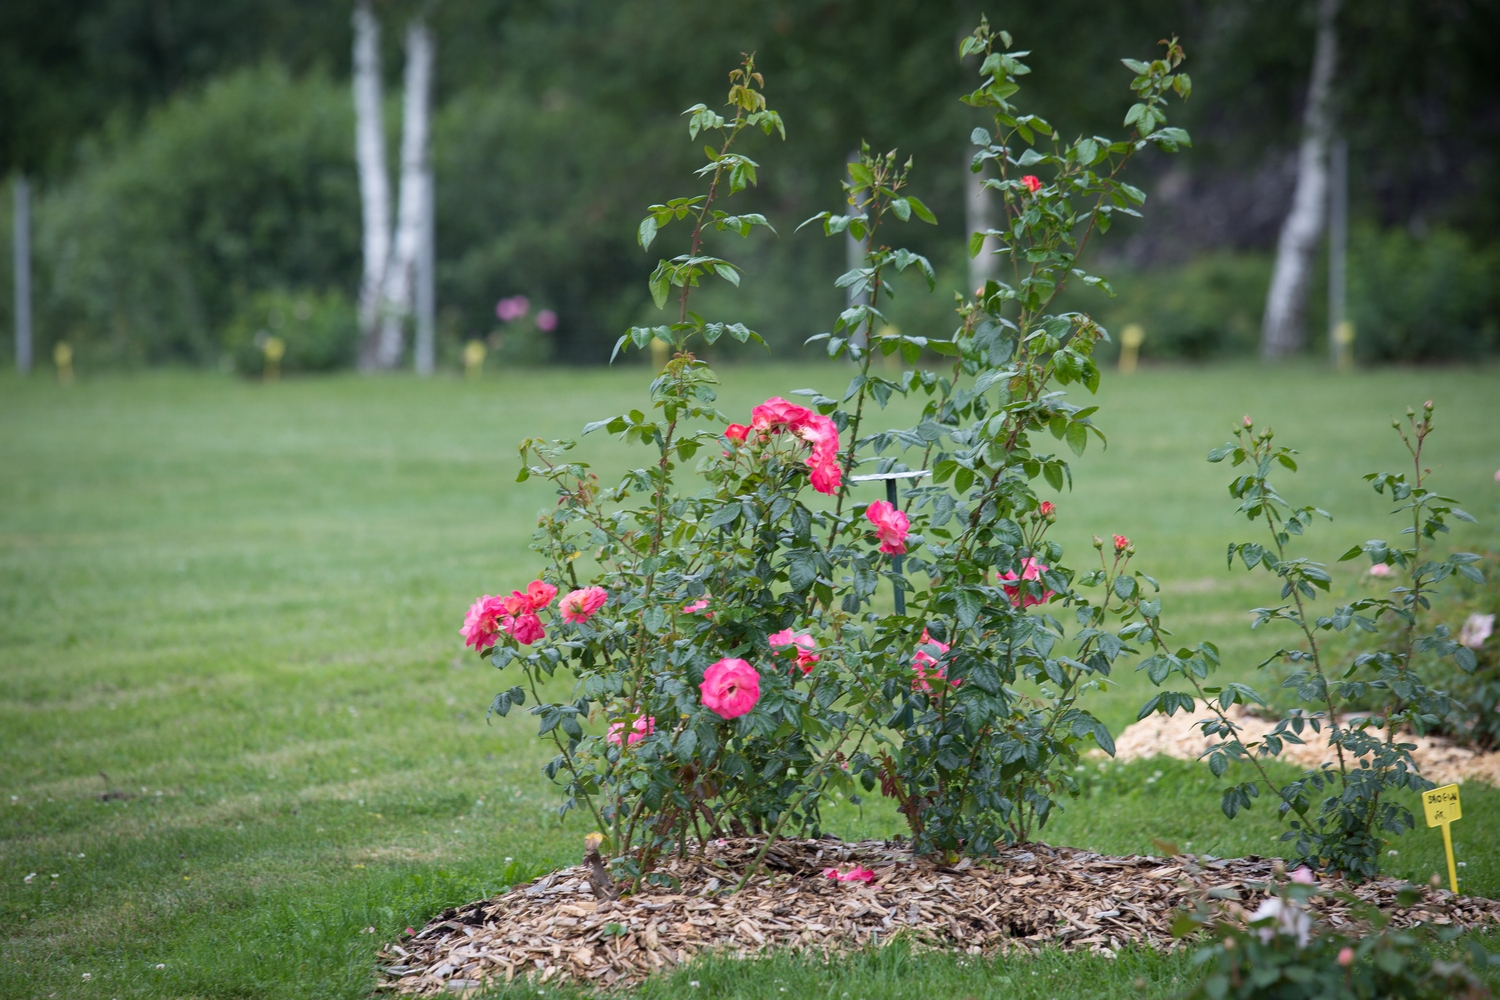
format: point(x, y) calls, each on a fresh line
point(1304, 876)
point(1032, 182)
point(891, 526)
point(1121, 544)
point(1346, 956)
point(697, 606)
point(737, 432)
point(1031, 570)
point(1497, 475)
point(826, 472)
point(525, 629)
point(803, 644)
point(579, 606)
point(855, 874)
point(483, 623)
point(776, 413)
point(643, 726)
point(1380, 569)
point(926, 665)
point(730, 687)
point(546, 321)
point(540, 594)
point(512, 308)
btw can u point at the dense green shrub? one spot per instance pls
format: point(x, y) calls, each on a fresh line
point(320, 331)
point(1433, 298)
point(246, 185)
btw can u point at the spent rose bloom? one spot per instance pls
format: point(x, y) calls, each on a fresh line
point(804, 645)
point(1032, 182)
point(1030, 570)
point(891, 526)
point(1477, 628)
point(643, 726)
point(484, 622)
point(855, 874)
point(1290, 919)
point(737, 432)
point(525, 629)
point(926, 665)
point(730, 687)
point(579, 606)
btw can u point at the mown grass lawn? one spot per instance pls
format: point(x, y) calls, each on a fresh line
point(237, 730)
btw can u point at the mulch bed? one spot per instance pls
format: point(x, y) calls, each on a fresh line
point(1025, 898)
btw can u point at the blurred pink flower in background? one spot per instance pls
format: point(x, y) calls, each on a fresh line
point(804, 644)
point(640, 729)
point(730, 687)
point(513, 308)
point(891, 526)
point(546, 320)
point(579, 606)
point(697, 606)
point(1380, 569)
point(1032, 570)
point(1497, 475)
point(926, 665)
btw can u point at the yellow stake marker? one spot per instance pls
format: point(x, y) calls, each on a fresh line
point(1442, 807)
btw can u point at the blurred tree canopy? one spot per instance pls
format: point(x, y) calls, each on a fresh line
point(557, 122)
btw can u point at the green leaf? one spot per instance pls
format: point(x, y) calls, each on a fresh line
point(921, 211)
point(647, 232)
point(728, 273)
point(1078, 436)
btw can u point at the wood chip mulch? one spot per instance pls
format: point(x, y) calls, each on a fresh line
point(1439, 760)
point(1025, 898)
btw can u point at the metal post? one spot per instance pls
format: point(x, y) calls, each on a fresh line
point(22, 223)
point(1338, 245)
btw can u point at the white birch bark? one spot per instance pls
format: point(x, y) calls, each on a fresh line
point(1284, 323)
point(400, 274)
point(423, 353)
point(977, 219)
point(374, 184)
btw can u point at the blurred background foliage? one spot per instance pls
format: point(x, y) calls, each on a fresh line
point(191, 159)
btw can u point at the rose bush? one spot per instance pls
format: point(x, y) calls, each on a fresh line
point(723, 626)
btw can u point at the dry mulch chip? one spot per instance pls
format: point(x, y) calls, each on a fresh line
point(1023, 899)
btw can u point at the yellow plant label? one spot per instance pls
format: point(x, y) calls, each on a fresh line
point(1442, 805)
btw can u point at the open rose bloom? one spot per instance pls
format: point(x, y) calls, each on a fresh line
point(891, 526)
point(802, 644)
point(1030, 570)
point(730, 687)
point(777, 415)
point(579, 606)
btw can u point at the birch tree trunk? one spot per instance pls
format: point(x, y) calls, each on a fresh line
point(422, 355)
point(400, 274)
point(977, 219)
point(374, 184)
point(1284, 324)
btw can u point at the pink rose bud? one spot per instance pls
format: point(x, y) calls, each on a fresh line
point(1032, 182)
point(1248, 422)
point(1121, 543)
point(1346, 956)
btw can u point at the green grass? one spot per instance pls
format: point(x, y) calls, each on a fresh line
point(237, 606)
